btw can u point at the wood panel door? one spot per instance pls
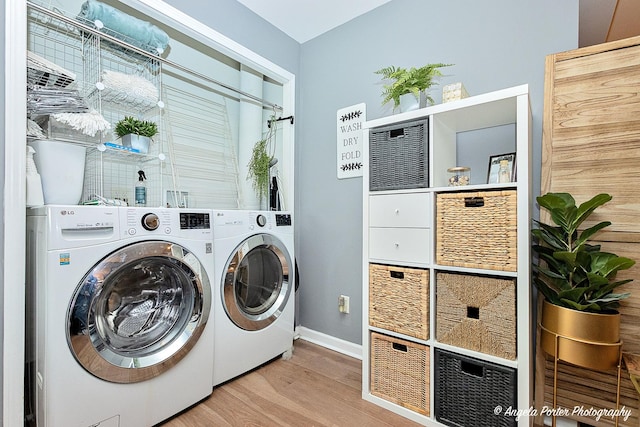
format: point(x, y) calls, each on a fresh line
point(591, 145)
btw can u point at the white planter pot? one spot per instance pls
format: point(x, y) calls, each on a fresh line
point(408, 102)
point(138, 142)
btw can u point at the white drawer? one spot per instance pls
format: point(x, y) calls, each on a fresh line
point(406, 245)
point(400, 210)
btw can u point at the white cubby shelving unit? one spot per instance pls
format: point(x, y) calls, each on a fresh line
point(400, 230)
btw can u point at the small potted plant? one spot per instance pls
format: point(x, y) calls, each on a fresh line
point(579, 284)
point(136, 133)
point(409, 84)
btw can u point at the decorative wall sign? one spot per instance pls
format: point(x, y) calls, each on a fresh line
point(349, 129)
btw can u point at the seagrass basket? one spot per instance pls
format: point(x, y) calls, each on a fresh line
point(477, 313)
point(399, 299)
point(477, 230)
point(400, 372)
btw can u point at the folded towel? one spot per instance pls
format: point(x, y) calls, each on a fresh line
point(141, 34)
point(128, 89)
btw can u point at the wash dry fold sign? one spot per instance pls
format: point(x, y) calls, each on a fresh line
point(349, 129)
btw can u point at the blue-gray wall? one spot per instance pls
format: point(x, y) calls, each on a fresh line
point(2, 184)
point(235, 21)
point(494, 44)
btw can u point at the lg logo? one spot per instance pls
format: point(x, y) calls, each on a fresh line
point(67, 213)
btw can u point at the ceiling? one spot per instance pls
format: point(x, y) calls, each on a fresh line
point(302, 20)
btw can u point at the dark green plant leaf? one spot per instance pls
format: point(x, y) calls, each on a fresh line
point(586, 234)
point(581, 307)
point(608, 264)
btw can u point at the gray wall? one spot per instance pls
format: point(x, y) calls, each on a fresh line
point(235, 21)
point(494, 44)
point(2, 213)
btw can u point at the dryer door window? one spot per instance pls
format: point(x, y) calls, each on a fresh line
point(257, 282)
point(138, 311)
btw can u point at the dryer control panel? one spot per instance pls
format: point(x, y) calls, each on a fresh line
point(283, 220)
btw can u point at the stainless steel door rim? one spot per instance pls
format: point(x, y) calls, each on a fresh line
point(256, 283)
point(138, 311)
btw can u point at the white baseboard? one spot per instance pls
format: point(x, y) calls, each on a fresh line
point(332, 343)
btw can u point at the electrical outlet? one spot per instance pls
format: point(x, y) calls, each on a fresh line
point(343, 304)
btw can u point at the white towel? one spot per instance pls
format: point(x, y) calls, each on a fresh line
point(128, 89)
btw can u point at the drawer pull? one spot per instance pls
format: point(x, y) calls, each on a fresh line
point(473, 312)
point(471, 369)
point(397, 274)
point(473, 202)
point(396, 133)
point(399, 347)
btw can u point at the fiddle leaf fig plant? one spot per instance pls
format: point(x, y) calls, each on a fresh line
point(413, 80)
point(574, 273)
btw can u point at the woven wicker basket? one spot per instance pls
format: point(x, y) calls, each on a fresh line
point(477, 313)
point(399, 156)
point(399, 299)
point(400, 372)
point(468, 391)
point(477, 230)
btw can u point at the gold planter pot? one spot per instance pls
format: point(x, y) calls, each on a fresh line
point(589, 340)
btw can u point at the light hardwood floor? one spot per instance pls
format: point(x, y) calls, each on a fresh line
point(316, 387)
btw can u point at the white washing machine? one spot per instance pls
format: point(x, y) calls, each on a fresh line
point(254, 290)
point(119, 329)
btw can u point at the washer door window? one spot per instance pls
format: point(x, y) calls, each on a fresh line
point(138, 311)
point(256, 283)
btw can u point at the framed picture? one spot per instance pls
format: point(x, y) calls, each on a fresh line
point(493, 173)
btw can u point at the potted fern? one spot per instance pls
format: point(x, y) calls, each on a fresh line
point(135, 133)
point(578, 281)
point(261, 161)
point(409, 83)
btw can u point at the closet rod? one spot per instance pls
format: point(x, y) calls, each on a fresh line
point(95, 32)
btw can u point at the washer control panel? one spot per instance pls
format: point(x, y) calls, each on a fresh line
point(193, 223)
point(194, 220)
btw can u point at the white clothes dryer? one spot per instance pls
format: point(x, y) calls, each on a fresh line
point(253, 288)
point(119, 330)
